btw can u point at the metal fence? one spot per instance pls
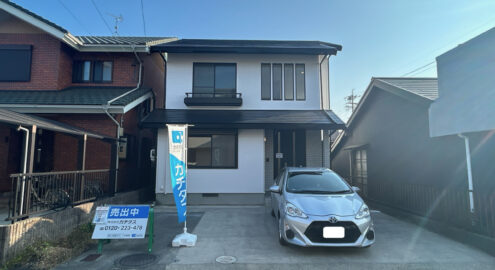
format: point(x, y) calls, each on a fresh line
point(446, 205)
point(38, 192)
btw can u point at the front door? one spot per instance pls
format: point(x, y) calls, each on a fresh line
point(289, 147)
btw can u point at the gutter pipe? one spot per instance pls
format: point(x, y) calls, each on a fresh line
point(24, 165)
point(119, 125)
point(321, 103)
point(469, 171)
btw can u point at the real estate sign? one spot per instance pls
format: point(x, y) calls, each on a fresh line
point(177, 135)
point(121, 221)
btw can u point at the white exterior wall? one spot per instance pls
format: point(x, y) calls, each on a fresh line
point(180, 80)
point(466, 85)
point(249, 177)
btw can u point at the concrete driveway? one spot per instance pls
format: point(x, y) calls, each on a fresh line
point(249, 234)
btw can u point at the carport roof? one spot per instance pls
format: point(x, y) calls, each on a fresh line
point(283, 119)
point(26, 120)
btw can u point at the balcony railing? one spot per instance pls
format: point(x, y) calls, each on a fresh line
point(34, 193)
point(213, 99)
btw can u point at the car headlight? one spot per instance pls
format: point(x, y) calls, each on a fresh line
point(293, 211)
point(363, 212)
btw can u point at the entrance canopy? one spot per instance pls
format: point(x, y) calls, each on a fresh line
point(250, 119)
point(19, 119)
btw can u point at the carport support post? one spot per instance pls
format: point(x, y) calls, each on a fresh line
point(113, 169)
point(31, 165)
point(81, 162)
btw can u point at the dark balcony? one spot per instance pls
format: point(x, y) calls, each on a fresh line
point(213, 99)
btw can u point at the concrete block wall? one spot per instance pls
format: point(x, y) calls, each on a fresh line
point(16, 237)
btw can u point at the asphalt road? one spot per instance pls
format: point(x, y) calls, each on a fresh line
point(249, 234)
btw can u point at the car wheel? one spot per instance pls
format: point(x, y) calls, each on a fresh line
point(281, 239)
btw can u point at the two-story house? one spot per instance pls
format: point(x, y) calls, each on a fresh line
point(102, 84)
point(255, 106)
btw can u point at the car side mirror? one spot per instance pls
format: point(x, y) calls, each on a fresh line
point(356, 189)
point(275, 189)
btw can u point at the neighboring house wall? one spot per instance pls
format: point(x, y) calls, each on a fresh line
point(125, 70)
point(410, 171)
point(154, 76)
point(466, 85)
point(180, 79)
point(396, 138)
point(44, 61)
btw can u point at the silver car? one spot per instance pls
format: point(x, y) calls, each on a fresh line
point(316, 207)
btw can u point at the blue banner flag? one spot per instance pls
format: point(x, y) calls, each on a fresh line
point(178, 168)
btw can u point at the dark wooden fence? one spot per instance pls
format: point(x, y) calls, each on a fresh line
point(447, 205)
point(34, 193)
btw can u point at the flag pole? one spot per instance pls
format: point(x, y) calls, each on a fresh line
point(185, 238)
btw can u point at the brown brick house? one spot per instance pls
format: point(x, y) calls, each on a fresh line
point(101, 84)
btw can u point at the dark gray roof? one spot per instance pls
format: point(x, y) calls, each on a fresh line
point(35, 15)
point(248, 46)
point(118, 40)
point(71, 96)
point(424, 87)
point(27, 120)
point(284, 119)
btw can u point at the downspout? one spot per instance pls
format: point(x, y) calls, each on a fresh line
point(321, 103)
point(119, 125)
point(469, 172)
point(24, 165)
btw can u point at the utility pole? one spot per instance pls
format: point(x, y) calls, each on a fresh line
point(351, 101)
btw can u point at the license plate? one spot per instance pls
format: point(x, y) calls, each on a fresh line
point(333, 232)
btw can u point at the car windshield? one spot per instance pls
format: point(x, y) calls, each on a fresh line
point(318, 182)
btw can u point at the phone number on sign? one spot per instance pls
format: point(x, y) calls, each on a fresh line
point(121, 228)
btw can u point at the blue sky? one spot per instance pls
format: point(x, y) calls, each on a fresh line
point(385, 38)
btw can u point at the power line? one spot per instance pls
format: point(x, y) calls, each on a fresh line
point(421, 67)
point(142, 16)
point(449, 44)
point(421, 71)
point(101, 16)
point(74, 16)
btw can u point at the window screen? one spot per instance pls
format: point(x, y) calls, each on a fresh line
point(266, 81)
point(15, 63)
point(277, 81)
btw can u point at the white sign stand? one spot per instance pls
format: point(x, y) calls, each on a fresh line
point(185, 238)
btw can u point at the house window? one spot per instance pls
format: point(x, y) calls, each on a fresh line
point(300, 82)
point(360, 170)
point(15, 63)
point(277, 83)
point(212, 149)
point(266, 81)
point(289, 81)
point(92, 71)
point(214, 80)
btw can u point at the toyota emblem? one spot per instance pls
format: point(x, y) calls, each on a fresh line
point(333, 219)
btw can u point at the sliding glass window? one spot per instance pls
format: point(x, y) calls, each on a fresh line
point(277, 81)
point(266, 81)
point(300, 82)
point(212, 149)
point(289, 81)
point(214, 80)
